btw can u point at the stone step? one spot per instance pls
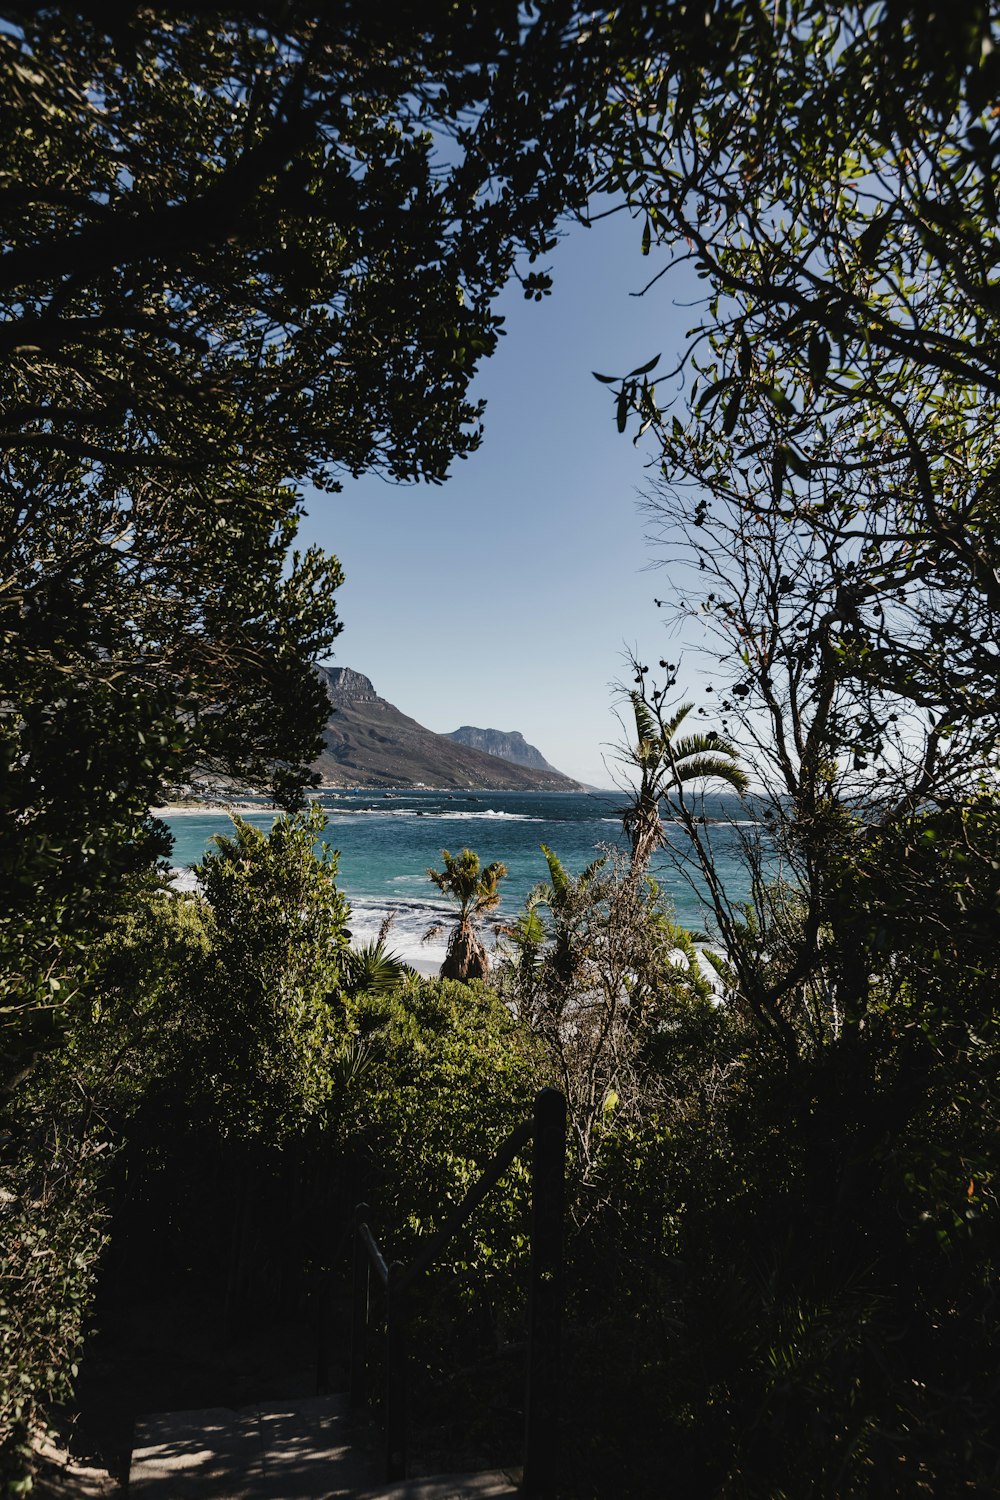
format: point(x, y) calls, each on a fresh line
point(292, 1450)
point(497, 1484)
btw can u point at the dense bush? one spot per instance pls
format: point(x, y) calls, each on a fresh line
point(51, 1235)
point(441, 1072)
point(257, 1089)
point(780, 1261)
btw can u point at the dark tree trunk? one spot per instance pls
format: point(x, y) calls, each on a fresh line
point(466, 957)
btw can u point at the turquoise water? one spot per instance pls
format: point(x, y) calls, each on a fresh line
point(386, 844)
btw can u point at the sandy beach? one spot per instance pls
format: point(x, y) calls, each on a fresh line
point(199, 809)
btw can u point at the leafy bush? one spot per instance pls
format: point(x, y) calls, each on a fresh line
point(442, 1073)
point(51, 1236)
point(598, 979)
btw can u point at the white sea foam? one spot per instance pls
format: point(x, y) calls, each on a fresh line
point(443, 815)
point(410, 921)
point(489, 813)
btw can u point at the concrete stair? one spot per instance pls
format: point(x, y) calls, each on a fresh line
point(294, 1450)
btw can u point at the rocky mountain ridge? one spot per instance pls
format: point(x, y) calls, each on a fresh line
point(370, 743)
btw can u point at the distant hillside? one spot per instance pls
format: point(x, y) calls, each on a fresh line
point(370, 743)
point(508, 744)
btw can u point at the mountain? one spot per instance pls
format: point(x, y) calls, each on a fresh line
point(368, 742)
point(508, 744)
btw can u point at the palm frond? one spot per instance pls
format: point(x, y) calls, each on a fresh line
point(371, 969)
point(557, 871)
point(646, 728)
point(664, 764)
point(703, 767)
point(593, 869)
point(702, 744)
point(541, 894)
point(672, 725)
point(385, 926)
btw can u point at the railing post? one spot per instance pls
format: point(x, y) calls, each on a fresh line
point(322, 1332)
point(545, 1297)
point(360, 1294)
point(395, 1374)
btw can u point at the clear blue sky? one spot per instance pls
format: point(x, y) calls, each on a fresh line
point(506, 597)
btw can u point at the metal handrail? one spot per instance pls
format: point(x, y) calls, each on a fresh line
point(500, 1162)
point(546, 1129)
point(371, 1245)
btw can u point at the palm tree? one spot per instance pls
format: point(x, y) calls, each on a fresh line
point(564, 897)
point(664, 764)
point(477, 892)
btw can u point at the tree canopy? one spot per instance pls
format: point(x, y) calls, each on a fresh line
point(242, 252)
point(825, 481)
point(271, 234)
point(253, 248)
point(844, 374)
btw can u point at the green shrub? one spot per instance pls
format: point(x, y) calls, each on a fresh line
point(442, 1072)
point(51, 1236)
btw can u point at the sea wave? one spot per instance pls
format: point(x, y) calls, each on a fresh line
point(410, 920)
point(490, 813)
point(440, 815)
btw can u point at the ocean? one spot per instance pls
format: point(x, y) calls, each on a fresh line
point(387, 841)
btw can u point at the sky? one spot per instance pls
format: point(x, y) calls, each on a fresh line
point(507, 597)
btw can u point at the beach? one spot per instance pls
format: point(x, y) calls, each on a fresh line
point(387, 844)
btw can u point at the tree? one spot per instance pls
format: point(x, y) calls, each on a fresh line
point(826, 496)
point(236, 238)
point(141, 637)
point(240, 254)
point(477, 892)
point(247, 1035)
point(829, 499)
point(666, 764)
point(600, 981)
point(563, 896)
point(846, 365)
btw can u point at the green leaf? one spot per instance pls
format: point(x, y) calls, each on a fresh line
point(797, 463)
point(715, 389)
point(779, 400)
point(819, 354)
point(872, 238)
point(779, 464)
point(732, 412)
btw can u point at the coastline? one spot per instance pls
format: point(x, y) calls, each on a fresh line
point(199, 809)
point(190, 806)
point(387, 843)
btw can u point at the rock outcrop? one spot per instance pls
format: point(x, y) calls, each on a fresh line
point(508, 744)
point(345, 686)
